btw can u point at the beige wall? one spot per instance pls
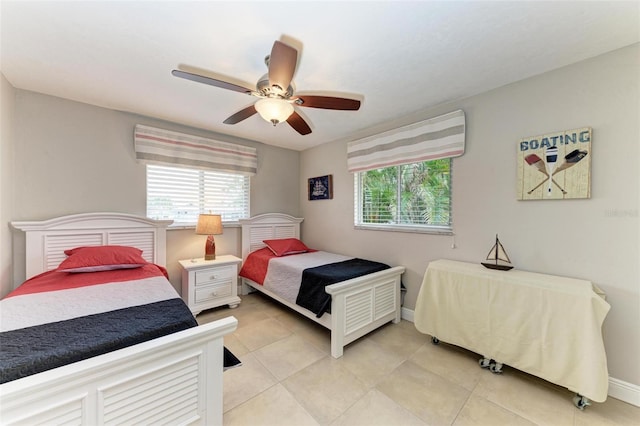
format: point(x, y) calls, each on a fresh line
point(7, 122)
point(73, 158)
point(596, 239)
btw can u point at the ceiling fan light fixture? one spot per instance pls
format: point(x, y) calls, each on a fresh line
point(274, 110)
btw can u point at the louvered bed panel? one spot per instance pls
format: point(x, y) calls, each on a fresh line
point(267, 226)
point(168, 394)
point(384, 296)
point(359, 310)
point(286, 231)
point(47, 240)
point(145, 241)
point(258, 235)
point(55, 245)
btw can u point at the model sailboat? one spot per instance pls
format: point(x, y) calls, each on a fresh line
point(497, 254)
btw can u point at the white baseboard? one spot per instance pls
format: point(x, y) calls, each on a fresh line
point(627, 392)
point(407, 314)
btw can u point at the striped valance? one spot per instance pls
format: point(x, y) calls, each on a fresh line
point(168, 148)
point(439, 137)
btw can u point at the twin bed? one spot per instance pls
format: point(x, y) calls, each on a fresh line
point(146, 361)
point(357, 306)
point(123, 350)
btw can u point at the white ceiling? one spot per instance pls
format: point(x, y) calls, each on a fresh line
point(398, 57)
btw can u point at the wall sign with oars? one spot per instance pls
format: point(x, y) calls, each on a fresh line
point(555, 166)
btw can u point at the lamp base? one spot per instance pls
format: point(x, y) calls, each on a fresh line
point(210, 248)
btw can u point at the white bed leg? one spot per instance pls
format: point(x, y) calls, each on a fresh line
point(338, 318)
point(398, 304)
point(337, 349)
point(246, 289)
point(398, 317)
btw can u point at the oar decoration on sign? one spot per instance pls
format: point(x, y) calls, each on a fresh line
point(570, 160)
point(552, 159)
point(535, 161)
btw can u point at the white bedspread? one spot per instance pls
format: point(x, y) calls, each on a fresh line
point(285, 273)
point(17, 312)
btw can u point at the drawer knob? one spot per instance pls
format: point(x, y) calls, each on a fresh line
point(213, 277)
point(214, 293)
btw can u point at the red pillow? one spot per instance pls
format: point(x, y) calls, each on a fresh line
point(285, 246)
point(101, 258)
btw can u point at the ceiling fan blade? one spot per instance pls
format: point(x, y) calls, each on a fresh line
point(282, 65)
point(210, 81)
point(298, 124)
point(241, 115)
point(328, 102)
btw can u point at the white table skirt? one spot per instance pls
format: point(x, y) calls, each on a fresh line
point(545, 325)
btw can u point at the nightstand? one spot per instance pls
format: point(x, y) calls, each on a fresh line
point(207, 284)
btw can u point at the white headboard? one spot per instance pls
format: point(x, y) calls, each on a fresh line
point(267, 226)
point(47, 240)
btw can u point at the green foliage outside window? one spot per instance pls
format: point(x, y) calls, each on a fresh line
point(416, 194)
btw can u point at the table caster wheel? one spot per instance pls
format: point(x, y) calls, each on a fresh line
point(581, 402)
point(484, 362)
point(435, 340)
point(496, 368)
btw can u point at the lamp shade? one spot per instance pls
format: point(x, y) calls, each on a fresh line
point(274, 110)
point(209, 224)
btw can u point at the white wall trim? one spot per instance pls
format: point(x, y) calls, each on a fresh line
point(626, 392)
point(407, 314)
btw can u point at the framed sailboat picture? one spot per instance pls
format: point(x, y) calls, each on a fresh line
point(555, 166)
point(321, 188)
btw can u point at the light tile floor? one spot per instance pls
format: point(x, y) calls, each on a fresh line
point(393, 376)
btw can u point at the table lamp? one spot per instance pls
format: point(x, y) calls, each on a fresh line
point(209, 225)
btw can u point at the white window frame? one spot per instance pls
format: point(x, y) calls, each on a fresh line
point(209, 197)
point(412, 228)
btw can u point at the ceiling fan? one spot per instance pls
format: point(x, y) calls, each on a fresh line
point(277, 101)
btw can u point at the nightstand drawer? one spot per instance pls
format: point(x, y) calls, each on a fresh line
point(215, 275)
point(206, 293)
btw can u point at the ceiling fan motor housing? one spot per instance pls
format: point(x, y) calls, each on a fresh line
point(275, 91)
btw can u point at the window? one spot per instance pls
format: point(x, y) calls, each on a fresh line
point(181, 194)
point(412, 197)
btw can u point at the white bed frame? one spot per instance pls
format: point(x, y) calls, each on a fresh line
point(358, 306)
point(174, 379)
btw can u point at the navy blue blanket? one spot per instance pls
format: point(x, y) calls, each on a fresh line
point(32, 350)
point(312, 295)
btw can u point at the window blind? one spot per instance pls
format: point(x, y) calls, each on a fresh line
point(158, 146)
point(182, 194)
point(432, 139)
